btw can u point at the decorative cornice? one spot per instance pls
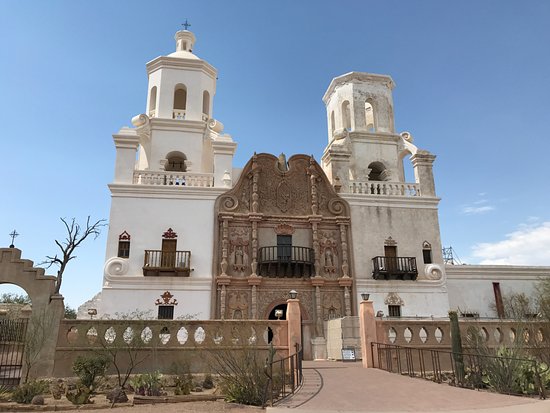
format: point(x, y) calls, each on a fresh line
point(357, 76)
point(197, 126)
point(139, 282)
point(423, 202)
point(496, 272)
point(166, 192)
point(166, 62)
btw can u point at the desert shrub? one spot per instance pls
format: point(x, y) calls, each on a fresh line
point(25, 392)
point(208, 383)
point(241, 373)
point(148, 384)
point(183, 384)
point(5, 393)
point(183, 379)
point(89, 368)
point(79, 394)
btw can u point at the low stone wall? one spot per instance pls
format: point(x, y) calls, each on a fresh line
point(162, 343)
point(435, 333)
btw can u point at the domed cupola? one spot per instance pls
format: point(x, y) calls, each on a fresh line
point(181, 85)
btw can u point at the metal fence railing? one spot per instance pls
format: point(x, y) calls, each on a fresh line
point(507, 375)
point(284, 377)
point(12, 347)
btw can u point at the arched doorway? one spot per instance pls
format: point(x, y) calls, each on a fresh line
point(278, 312)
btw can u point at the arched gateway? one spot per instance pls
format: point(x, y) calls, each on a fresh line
point(47, 307)
point(283, 227)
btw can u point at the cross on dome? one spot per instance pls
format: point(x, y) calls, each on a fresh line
point(186, 25)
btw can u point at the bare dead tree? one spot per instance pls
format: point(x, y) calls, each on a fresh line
point(75, 236)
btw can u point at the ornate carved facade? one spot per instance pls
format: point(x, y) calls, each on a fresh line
point(282, 227)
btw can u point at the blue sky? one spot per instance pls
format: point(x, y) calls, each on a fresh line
point(472, 77)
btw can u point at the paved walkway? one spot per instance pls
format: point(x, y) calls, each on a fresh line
point(338, 387)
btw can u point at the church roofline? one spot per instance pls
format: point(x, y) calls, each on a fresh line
point(360, 76)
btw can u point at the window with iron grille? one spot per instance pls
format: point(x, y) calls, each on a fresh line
point(124, 249)
point(124, 245)
point(166, 312)
point(394, 310)
point(427, 255)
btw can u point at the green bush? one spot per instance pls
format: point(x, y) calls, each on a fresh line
point(89, 368)
point(25, 392)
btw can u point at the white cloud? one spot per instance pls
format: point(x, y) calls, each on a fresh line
point(529, 245)
point(475, 210)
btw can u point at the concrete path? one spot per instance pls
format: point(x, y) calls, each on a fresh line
point(348, 387)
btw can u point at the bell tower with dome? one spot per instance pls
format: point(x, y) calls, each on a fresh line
point(169, 169)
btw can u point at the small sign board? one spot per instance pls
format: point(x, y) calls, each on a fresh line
point(348, 354)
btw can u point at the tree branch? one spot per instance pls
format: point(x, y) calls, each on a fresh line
point(74, 238)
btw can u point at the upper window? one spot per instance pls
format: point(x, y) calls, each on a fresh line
point(369, 116)
point(153, 101)
point(427, 252)
point(176, 162)
point(180, 102)
point(378, 172)
point(206, 103)
point(124, 245)
point(332, 124)
point(346, 115)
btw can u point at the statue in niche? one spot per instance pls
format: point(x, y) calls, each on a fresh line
point(329, 253)
point(239, 250)
point(238, 305)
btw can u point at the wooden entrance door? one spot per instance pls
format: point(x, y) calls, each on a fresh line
point(168, 259)
point(390, 252)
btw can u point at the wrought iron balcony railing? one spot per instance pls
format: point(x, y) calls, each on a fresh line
point(285, 261)
point(394, 268)
point(167, 263)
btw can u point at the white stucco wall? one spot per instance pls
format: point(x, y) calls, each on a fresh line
point(409, 222)
point(146, 213)
point(471, 286)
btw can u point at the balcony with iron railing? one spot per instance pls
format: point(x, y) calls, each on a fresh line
point(381, 188)
point(285, 261)
point(177, 179)
point(394, 268)
point(159, 263)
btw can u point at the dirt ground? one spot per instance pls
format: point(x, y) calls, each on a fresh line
point(203, 406)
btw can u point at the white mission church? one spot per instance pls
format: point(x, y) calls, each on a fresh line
point(191, 234)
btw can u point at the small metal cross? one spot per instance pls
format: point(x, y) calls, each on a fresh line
point(13, 235)
point(186, 25)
